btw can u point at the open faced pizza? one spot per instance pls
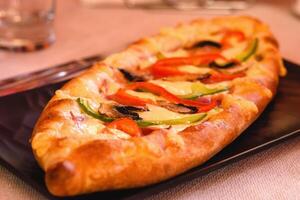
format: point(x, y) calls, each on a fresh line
point(162, 106)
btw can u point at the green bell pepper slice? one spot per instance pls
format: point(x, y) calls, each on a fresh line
point(179, 121)
point(142, 123)
point(245, 55)
point(199, 89)
point(85, 106)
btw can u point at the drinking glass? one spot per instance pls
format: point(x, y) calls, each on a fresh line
point(26, 25)
point(186, 4)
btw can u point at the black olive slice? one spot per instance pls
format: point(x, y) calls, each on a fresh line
point(128, 111)
point(133, 108)
point(205, 43)
point(222, 66)
point(179, 108)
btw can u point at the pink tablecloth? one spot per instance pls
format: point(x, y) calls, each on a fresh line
point(273, 174)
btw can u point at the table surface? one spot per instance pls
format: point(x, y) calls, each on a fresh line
point(83, 31)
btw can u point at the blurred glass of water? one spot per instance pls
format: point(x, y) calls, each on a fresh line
point(26, 25)
point(186, 4)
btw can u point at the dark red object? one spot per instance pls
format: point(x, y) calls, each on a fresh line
point(170, 66)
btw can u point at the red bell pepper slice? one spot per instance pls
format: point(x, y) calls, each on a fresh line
point(166, 71)
point(155, 89)
point(122, 97)
point(190, 60)
point(126, 125)
point(219, 77)
point(170, 66)
point(200, 105)
point(160, 91)
point(229, 34)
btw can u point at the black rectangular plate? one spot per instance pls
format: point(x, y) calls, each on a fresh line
point(19, 112)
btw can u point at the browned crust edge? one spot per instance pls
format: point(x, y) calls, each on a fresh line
point(114, 164)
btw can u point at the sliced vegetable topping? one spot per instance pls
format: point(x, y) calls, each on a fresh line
point(122, 97)
point(154, 89)
point(199, 89)
point(170, 66)
point(178, 108)
point(192, 60)
point(126, 125)
point(84, 105)
point(229, 35)
point(160, 91)
point(131, 77)
point(160, 56)
point(108, 110)
point(223, 65)
point(193, 118)
point(129, 111)
point(163, 69)
point(132, 104)
point(245, 55)
point(205, 43)
point(219, 77)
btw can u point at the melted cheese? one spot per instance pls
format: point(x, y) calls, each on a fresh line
point(184, 87)
point(159, 113)
point(112, 85)
point(235, 50)
point(147, 62)
point(194, 69)
point(177, 88)
point(155, 113)
point(178, 53)
point(144, 95)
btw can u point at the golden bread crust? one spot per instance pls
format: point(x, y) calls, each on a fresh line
point(78, 161)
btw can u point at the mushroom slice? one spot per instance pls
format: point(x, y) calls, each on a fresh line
point(108, 110)
point(129, 111)
point(179, 108)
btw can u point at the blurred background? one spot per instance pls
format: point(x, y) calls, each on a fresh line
point(54, 32)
